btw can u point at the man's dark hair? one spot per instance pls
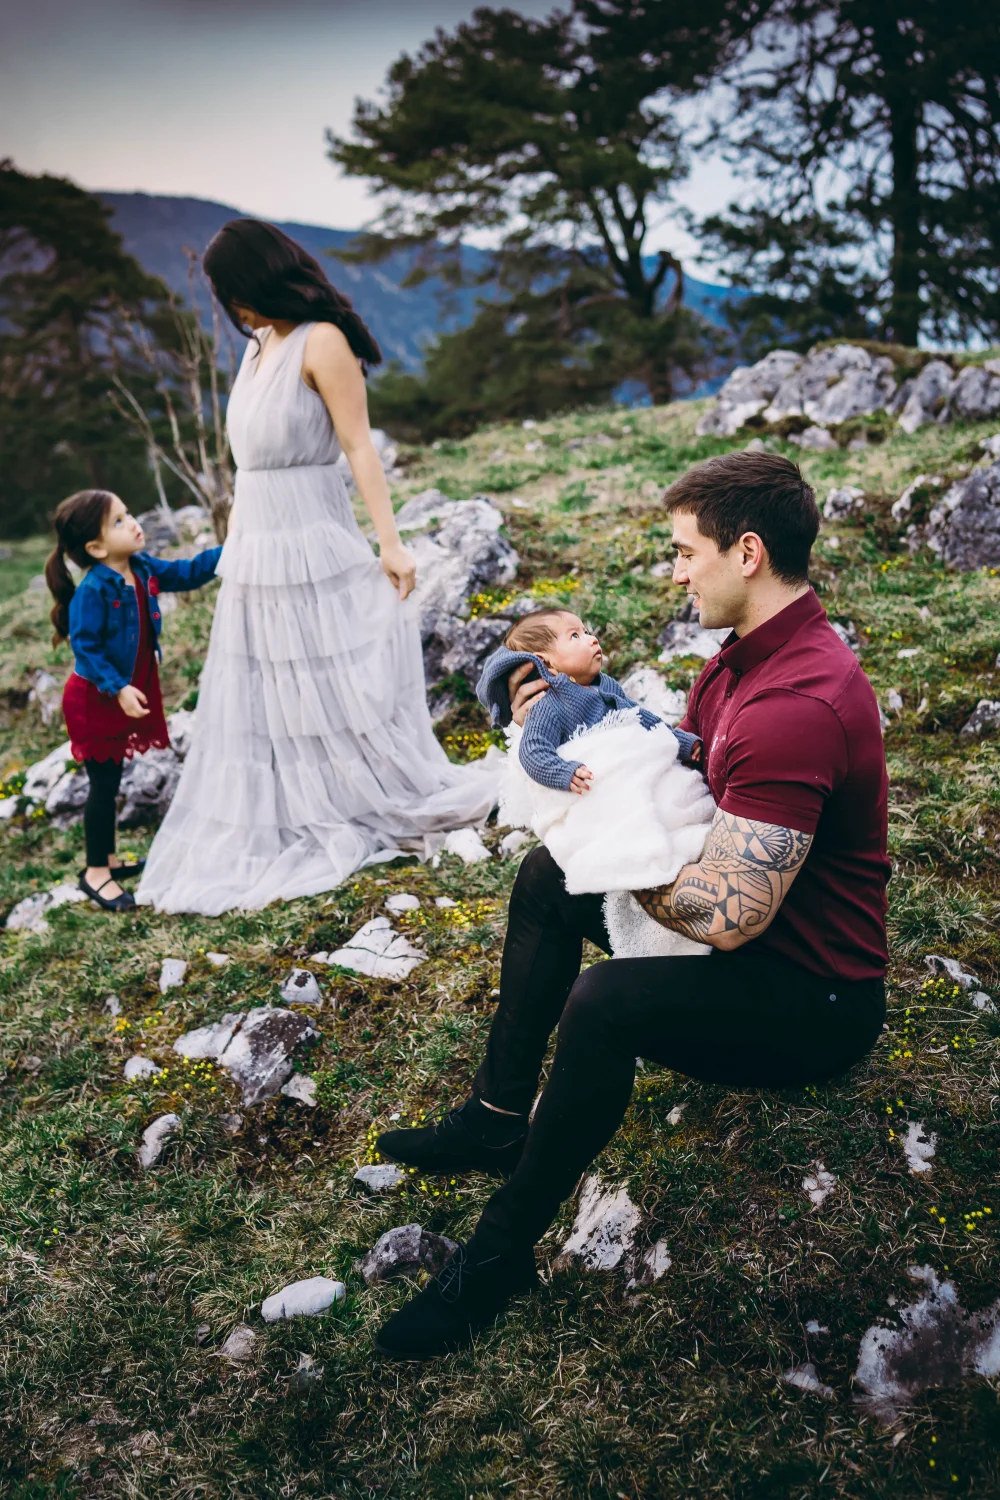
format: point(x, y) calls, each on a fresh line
point(758, 492)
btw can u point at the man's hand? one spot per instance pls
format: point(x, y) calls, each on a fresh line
point(734, 891)
point(523, 694)
point(581, 780)
point(133, 701)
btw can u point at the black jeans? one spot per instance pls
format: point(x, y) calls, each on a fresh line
point(101, 810)
point(745, 1019)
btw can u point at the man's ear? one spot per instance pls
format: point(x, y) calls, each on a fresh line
point(753, 554)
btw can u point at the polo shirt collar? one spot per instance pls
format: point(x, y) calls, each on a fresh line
point(741, 653)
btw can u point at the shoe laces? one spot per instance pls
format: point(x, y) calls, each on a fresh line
point(450, 1279)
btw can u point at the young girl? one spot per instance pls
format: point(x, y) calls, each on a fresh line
point(112, 701)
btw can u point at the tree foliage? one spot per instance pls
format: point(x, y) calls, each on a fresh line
point(874, 129)
point(556, 137)
point(67, 292)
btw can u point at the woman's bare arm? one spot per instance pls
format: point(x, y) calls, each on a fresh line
point(332, 370)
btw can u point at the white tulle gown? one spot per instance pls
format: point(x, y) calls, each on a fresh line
point(313, 751)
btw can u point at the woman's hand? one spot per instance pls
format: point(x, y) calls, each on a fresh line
point(523, 694)
point(399, 567)
point(133, 702)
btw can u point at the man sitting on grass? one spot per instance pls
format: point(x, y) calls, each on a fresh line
point(789, 894)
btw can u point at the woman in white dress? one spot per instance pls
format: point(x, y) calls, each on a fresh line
point(313, 751)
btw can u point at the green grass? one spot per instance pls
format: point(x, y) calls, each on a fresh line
point(109, 1379)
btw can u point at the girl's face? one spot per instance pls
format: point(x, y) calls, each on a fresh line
point(121, 536)
point(249, 318)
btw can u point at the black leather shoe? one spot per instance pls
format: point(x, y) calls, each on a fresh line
point(468, 1296)
point(448, 1145)
point(128, 871)
point(124, 901)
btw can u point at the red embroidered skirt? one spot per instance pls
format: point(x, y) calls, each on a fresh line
point(99, 728)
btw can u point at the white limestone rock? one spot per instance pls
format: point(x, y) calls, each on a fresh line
point(44, 775)
point(301, 1088)
point(112, 1006)
point(975, 396)
point(963, 529)
point(379, 952)
point(404, 1252)
point(648, 688)
point(841, 504)
point(239, 1346)
point(919, 1146)
point(814, 439)
point(444, 902)
point(513, 842)
point(901, 508)
point(848, 632)
point(209, 1041)
point(140, 1067)
point(30, 913)
point(172, 972)
point(819, 1184)
point(951, 969)
point(804, 1378)
point(689, 638)
point(217, 960)
point(259, 1057)
point(654, 1262)
point(381, 1177)
point(936, 1343)
point(833, 384)
point(466, 845)
point(155, 1137)
point(604, 1230)
point(401, 901)
point(303, 1299)
point(928, 395)
point(985, 719)
point(301, 987)
point(746, 392)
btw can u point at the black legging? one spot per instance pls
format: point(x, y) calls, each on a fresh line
point(101, 810)
point(752, 1020)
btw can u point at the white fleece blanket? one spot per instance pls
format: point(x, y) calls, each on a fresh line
point(644, 817)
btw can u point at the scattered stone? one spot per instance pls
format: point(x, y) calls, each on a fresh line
point(662, 569)
point(155, 1137)
point(217, 960)
point(383, 1177)
point(901, 508)
point(991, 445)
point(307, 1373)
point(939, 1344)
point(259, 1057)
point(895, 701)
point(815, 440)
point(815, 1327)
point(209, 1041)
point(301, 1088)
point(975, 396)
point(648, 688)
point(379, 952)
point(919, 1146)
point(675, 1115)
point(906, 653)
point(302, 1299)
point(985, 719)
point(951, 969)
point(239, 1346)
point(172, 972)
point(805, 1378)
point(29, 915)
point(231, 1124)
point(655, 1262)
point(466, 845)
point(43, 776)
point(819, 1184)
point(46, 695)
point(604, 1229)
point(689, 638)
point(404, 1252)
point(402, 901)
point(746, 392)
point(514, 842)
point(848, 632)
point(964, 527)
point(202, 1332)
point(444, 902)
point(302, 988)
point(148, 785)
point(883, 722)
point(319, 958)
point(928, 395)
point(841, 504)
point(140, 1067)
point(113, 1006)
point(8, 808)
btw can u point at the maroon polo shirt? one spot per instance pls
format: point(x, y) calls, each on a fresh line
point(792, 734)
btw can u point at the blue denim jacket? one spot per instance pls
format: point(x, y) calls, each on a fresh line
point(104, 616)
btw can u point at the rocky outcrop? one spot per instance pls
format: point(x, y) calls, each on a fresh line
point(926, 396)
point(255, 1049)
point(833, 384)
point(746, 393)
point(964, 527)
point(975, 396)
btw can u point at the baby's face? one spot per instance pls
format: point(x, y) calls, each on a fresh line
point(575, 651)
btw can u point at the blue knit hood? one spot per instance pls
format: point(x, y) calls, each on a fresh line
point(492, 689)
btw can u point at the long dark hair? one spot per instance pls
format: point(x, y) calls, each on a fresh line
point(256, 265)
point(78, 520)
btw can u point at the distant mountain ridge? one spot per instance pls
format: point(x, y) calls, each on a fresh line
point(157, 229)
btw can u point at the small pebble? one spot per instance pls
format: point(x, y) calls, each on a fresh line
point(172, 973)
point(217, 960)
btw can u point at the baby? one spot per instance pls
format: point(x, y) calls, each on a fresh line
point(568, 657)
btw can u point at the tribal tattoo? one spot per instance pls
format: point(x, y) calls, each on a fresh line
point(737, 886)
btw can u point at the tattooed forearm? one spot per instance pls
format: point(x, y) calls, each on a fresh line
point(736, 888)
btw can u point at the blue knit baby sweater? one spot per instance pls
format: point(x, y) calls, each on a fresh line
point(557, 714)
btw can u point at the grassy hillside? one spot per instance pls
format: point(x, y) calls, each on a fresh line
point(120, 1286)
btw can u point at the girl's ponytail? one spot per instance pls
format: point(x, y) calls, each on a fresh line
point(62, 588)
point(78, 520)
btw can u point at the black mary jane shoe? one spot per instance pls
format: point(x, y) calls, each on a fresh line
point(129, 871)
point(124, 901)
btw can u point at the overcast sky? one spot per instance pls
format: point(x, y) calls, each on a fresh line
point(221, 99)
